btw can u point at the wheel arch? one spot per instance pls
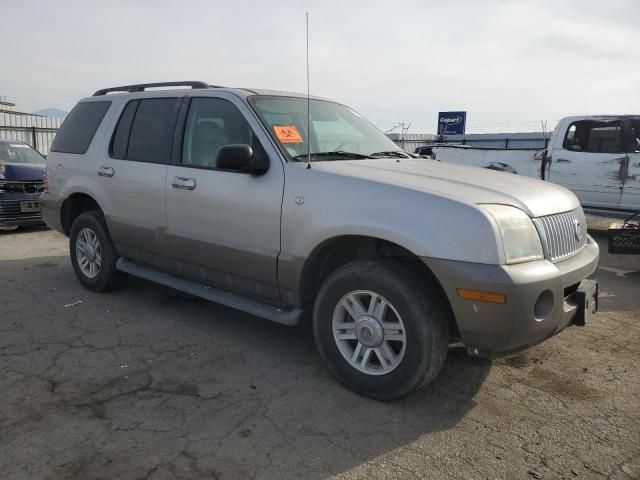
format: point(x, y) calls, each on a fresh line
point(337, 251)
point(74, 205)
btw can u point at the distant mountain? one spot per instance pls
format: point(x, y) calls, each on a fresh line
point(52, 112)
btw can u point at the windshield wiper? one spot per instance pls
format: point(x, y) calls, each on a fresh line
point(392, 153)
point(337, 153)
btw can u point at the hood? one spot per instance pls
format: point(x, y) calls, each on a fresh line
point(469, 184)
point(22, 172)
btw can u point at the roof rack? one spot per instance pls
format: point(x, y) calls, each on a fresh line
point(141, 87)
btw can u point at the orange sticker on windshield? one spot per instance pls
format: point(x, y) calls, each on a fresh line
point(288, 134)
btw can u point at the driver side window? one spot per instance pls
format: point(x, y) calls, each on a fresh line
point(594, 136)
point(211, 124)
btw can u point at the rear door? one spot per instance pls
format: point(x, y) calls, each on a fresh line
point(631, 187)
point(223, 227)
point(590, 162)
point(132, 174)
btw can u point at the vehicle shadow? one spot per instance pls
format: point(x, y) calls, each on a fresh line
point(153, 380)
point(22, 230)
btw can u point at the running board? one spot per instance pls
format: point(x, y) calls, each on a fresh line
point(239, 302)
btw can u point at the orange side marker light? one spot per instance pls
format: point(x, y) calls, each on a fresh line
point(482, 296)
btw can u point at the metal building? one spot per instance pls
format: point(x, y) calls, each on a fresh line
point(502, 141)
point(34, 130)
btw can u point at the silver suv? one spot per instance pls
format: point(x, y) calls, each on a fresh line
point(277, 205)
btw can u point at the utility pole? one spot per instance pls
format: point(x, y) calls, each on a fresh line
point(404, 131)
point(404, 128)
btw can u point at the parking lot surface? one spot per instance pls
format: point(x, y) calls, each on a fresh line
point(148, 383)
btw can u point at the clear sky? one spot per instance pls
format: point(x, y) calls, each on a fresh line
point(509, 64)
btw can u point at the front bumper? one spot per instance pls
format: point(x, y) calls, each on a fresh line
point(11, 213)
point(489, 329)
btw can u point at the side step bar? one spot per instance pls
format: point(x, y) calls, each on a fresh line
point(239, 302)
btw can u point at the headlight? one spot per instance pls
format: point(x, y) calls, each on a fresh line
point(520, 239)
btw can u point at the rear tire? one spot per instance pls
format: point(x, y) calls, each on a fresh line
point(93, 255)
point(406, 341)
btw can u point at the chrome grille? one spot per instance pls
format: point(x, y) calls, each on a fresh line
point(563, 234)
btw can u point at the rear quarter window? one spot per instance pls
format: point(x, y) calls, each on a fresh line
point(80, 126)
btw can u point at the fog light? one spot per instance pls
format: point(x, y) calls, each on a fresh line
point(543, 306)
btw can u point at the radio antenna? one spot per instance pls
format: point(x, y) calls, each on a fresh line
point(308, 101)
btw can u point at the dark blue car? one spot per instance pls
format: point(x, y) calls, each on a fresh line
point(21, 182)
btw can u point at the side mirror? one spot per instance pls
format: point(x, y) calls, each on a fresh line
point(240, 158)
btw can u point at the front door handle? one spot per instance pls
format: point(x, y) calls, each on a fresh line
point(183, 183)
point(105, 171)
point(563, 160)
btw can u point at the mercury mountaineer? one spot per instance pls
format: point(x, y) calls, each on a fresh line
point(246, 198)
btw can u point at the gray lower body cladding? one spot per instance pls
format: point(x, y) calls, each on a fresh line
point(492, 328)
point(240, 302)
point(50, 209)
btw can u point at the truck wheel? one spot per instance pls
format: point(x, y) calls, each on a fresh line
point(381, 328)
point(93, 255)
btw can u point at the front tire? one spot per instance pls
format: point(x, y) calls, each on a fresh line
point(93, 255)
point(381, 328)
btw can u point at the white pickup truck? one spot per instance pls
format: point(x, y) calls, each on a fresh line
point(597, 157)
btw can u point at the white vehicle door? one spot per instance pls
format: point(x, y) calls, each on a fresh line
point(590, 162)
point(631, 188)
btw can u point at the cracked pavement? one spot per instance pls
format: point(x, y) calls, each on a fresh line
point(149, 383)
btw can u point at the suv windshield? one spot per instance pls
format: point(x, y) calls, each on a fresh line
point(19, 153)
point(336, 133)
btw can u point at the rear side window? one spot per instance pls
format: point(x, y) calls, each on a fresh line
point(152, 130)
point(79, 127)
point(121, 136)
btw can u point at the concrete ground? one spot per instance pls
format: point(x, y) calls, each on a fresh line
point(147, 383)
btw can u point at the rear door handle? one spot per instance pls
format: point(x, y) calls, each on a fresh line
point(183, 183)
point(563, 160)
point(105, 171)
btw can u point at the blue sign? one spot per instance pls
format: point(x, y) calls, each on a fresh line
point(451, 123)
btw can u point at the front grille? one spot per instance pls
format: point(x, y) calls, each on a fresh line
point(11, 209)
point(564, 234)
point(22, 187)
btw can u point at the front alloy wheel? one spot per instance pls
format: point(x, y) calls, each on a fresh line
point(381, 327)
point(369, 332)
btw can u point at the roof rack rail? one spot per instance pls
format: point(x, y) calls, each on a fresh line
point(141, 87)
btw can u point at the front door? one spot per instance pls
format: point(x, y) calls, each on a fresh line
point(591, 163)
point(223, 227)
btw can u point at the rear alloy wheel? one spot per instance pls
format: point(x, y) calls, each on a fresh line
point(88, 252)
point(381, 327)
point(93, 255)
